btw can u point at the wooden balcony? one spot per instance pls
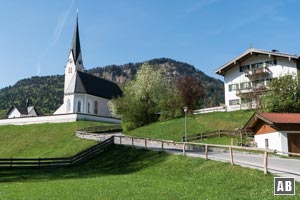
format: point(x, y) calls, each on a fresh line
point(258, 73)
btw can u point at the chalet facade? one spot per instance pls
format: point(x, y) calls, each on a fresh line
point(85, 93)
point(280, 131)
point(246, 77)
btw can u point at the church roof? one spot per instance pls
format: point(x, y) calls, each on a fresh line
point(89, 84)
point(75, 48)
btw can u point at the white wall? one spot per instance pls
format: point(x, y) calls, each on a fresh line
point(277, 140)
point(57, 119)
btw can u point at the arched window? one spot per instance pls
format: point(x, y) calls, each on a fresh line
point(68, 105)
point(79, 106)
point(89, 107)
point(96, 107)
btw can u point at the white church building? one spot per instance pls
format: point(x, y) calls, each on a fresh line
point(85, 93)
point(86, 97)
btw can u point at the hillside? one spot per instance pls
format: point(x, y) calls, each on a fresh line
point(43, 140)
point(174, 129)
point(47, 92)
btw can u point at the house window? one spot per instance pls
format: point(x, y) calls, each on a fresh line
point(68, 105)
point(271, 63)
point(96, 107)
point(257, 65)
point(233, 87)
point(79, 106)
point(244, 68)
point(234, 102)
point(245, 85)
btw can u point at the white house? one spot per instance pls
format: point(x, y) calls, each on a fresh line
point(19, 111)
point(246, 77)
point(85, 93)
point(280, 131)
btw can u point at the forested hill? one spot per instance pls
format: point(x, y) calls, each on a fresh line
point(47, 92)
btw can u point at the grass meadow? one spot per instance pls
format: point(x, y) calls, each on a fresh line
point(128, 173)
point(174, 129)
point(43, 140)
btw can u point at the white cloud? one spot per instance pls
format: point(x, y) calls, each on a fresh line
point(61, 24)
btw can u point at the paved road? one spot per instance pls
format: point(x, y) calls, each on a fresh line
point(285, 167)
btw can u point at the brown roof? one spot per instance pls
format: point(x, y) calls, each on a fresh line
point(282, 118)
point(279, 121)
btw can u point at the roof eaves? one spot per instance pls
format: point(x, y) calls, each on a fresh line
point(252, 50)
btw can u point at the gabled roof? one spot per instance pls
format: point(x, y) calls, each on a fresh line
point(247, 54)
point(89, 84)
point(25, 111)
point(275, 120)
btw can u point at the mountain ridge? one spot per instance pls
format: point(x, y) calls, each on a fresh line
point(46, 92)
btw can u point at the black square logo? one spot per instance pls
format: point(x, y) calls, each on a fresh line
point(284, 186)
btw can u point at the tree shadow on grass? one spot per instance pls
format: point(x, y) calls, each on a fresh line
point(116, 160)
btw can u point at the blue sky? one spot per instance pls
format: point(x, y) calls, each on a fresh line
point(35, 35)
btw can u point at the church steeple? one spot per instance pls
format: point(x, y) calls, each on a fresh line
point(75, 48)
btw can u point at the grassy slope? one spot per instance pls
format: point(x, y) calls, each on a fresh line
point(128, 173)
point(174, 129)
point(43, 140)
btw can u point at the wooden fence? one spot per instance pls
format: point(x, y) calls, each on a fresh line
point(56, 162)
point(172, 146)
point(210, 134)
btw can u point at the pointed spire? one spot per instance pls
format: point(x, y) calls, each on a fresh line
point(75, 48)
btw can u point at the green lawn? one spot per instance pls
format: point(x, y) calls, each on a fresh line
point(127, 173)
point(174, 129)
point(43, 140)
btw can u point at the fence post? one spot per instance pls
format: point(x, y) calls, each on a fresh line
point(219, 133)
point(183, 149)
point(241, 135)
point(206, 152)
point(201, 136)
point(162, 145)
point(146, 143)
point(231, 155)
point(266, 162)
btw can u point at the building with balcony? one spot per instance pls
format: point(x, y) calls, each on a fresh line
point(246, 77)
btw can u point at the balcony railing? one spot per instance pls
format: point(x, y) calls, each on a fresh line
point(258, 72)
point(254, 89)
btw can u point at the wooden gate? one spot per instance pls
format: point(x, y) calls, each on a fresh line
point(294, 142)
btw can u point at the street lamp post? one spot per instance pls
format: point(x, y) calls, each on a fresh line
point(185, 110)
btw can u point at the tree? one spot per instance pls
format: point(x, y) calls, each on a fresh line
point(191, 90)
point(142, 98)
point(283, 95)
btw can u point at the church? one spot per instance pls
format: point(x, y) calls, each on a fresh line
point(85, 93)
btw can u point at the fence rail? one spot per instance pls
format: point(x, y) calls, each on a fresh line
point(167, 145)
point(56, 162)
point(210, 134)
